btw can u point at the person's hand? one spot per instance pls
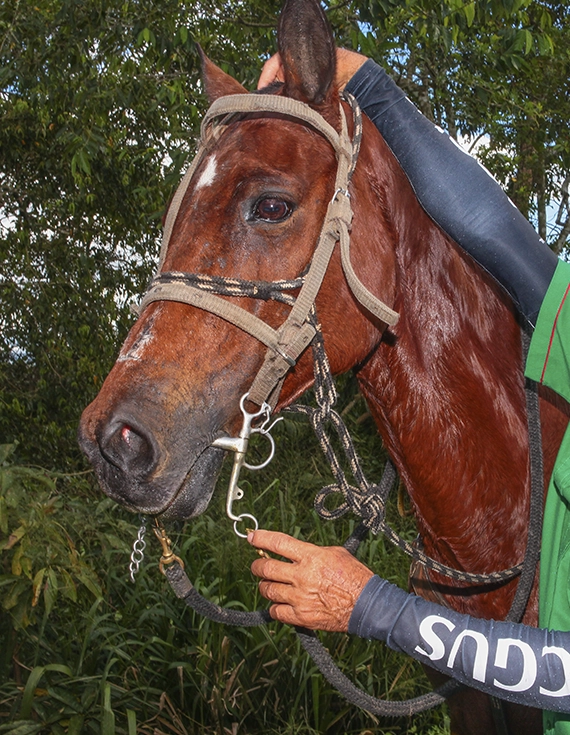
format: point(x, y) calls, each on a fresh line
point(347, 64)
point(317, 589)
point(272, 72)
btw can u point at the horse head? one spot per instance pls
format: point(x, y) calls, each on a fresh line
point(252, 209)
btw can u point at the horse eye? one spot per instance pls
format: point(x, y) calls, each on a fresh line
point(271, 209)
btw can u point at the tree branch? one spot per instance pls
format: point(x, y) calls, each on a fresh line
point(563, 236)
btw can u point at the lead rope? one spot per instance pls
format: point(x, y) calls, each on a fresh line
point(368, 501)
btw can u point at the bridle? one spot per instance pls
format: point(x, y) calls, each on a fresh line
point(284, 346)
point(288, 342)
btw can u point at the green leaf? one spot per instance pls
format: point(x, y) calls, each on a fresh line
point(527, 41)
point(5, 451)
point(75, 726)
point(68, 588)
point(545, 44)
point(87, 577)
point(108, 719)
point(32, 683)
point(80, 162)
point(16, 591)
point(16, 562)
point(3, 515)
point(22, 728)
point(50, 590)
point(37, 585)
point(13, 538)
point(65, 697)
point(469, 11)
point(132, 722)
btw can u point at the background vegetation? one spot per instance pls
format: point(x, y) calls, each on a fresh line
point(100, 103)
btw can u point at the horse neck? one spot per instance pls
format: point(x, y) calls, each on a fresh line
point(445, 388)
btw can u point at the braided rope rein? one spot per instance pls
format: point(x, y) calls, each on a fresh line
point(368, 501)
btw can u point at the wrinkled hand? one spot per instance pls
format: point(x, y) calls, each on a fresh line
point(317, 589)
point(347, 64)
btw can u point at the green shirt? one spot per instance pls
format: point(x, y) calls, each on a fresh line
point(549, 363)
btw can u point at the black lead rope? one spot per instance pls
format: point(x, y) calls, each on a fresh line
point(184, 590)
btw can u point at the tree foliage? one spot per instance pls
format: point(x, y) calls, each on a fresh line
point(497, 72)
point(100, 105)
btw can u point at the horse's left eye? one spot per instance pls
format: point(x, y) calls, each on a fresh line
point(271, 209)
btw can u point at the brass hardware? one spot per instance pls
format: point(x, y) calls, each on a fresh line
point(168, 556)
point(261, 552)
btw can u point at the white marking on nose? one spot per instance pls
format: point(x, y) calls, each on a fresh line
point(139, 345)
point(208, 174)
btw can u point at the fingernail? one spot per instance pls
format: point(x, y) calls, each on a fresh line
point(250, 536)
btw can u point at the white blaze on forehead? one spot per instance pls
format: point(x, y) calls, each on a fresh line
point(208, 174)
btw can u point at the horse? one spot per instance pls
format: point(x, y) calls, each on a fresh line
point(444, 384)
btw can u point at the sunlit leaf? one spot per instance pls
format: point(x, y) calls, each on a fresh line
point(37, 585)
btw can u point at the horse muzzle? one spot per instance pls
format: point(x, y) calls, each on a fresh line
point(135, 470)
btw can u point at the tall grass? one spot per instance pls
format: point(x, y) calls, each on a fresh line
point(82, 650)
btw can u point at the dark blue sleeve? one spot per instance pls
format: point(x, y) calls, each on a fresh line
point(512, 661)
point(458, 193)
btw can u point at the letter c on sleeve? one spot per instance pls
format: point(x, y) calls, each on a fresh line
point(564, 656)
point(529, 666)
point(431, 638)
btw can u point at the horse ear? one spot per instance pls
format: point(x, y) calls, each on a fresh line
point(216, 82)
point(307, 50)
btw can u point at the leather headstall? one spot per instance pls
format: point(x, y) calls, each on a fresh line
point(286, 343)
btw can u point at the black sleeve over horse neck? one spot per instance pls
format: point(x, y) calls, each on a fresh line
point(458, 193)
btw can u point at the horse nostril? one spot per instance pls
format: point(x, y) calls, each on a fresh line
point(134, 441)
point(128, 448)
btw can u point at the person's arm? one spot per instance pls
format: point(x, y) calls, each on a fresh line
point(515, 662)
point(458, 193)
point(326, 588)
